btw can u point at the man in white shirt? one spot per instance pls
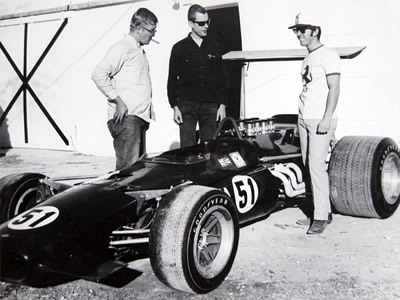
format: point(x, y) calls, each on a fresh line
point(317, 113)
point(123, 76)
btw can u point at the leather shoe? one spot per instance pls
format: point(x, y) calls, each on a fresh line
point(317, 227)
point(307, 222)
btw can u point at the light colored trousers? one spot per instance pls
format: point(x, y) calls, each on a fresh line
point(314, 150)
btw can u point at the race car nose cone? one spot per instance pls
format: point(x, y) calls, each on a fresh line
point(13, 268)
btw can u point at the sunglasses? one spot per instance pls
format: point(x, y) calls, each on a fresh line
point(202, 23)
point(301, 29)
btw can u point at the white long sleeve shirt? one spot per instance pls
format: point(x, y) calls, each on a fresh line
point(124, 72)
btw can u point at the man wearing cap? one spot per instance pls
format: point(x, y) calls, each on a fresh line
point(317, 113)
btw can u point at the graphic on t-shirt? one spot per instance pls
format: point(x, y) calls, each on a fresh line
point(306, 77)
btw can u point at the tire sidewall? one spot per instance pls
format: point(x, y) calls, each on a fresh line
point(383, 208)
point(209, 200)
point(15, 186)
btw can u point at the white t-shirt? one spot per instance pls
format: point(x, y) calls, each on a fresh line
point(318, 64)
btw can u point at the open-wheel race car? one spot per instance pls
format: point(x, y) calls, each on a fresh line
point(183, 208)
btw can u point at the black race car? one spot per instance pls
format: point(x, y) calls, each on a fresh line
point(182, 208)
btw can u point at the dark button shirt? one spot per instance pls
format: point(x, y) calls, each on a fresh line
point(196, 73)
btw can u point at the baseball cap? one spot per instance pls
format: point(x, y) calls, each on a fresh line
point(306, 19)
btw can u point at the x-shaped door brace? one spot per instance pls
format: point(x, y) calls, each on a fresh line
point(25, 83)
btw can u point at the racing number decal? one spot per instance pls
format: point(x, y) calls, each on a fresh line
point(34, 218)
point(246, 192)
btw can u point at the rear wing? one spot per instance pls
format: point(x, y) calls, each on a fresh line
point(245, 57)
point(286, 54)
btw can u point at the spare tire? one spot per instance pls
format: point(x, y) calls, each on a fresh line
point(364, 176)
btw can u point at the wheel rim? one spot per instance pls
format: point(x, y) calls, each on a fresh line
point(213, 244)
point(391, 178)
point(27, 200)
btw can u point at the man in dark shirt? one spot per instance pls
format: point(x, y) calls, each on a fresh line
point(196, 81)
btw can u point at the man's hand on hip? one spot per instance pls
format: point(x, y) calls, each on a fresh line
point(121, 110)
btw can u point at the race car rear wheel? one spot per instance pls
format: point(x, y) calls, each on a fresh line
point(18, 193)
point(194, 239)
point(364, 176)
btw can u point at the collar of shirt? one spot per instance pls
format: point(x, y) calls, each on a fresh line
point(190, 40)
point(134, 43)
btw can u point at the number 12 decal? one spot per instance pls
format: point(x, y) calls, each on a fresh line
point(34, 218)
point(246, 192)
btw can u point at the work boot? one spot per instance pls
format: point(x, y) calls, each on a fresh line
point(307, 222)
point(317, 227)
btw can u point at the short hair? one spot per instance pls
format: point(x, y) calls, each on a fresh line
point(193, 10)
point(143, 16)
point(319, 31)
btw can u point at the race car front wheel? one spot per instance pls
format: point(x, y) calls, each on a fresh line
point(194, 239)
point(18, 193)
point(364, 176)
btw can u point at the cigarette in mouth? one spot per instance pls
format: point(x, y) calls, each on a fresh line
point(155, 41)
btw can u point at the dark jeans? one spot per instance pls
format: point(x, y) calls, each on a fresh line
point(193, 112)
point(129, 139)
